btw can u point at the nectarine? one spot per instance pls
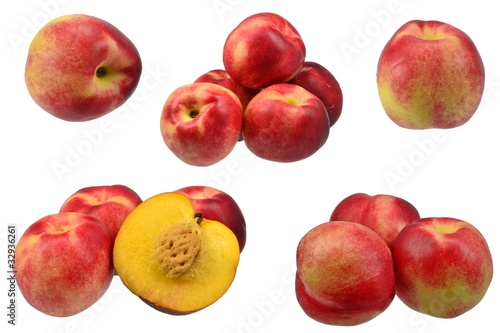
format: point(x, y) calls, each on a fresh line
point(345, 274)
point(262, 50)
point(430, 75)
point(285, 123)
point(443, 266)
point(64, 263)
point(201, 122)
point(80, 67)
point(173, 258)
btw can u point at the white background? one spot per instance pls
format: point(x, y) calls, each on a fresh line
point(443, 173)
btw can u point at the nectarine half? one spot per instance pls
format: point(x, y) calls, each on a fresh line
point(173, 258)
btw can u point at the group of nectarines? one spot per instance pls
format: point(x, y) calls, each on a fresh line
point(178, 242)
point(179, 251)
point(64, 261)
point(376, 247)
point(267, 95)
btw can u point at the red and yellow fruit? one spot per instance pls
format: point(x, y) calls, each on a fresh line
point(285, 123)
point(111, 204)
point(64, 263)
point(201, 123)
point(344, 274)
point(443, 266)
point(262, 50)
point(221, 77)
point(385, 214)
point(430, 75)
point(80, 67)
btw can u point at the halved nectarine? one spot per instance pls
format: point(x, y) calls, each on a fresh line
point(173, 258)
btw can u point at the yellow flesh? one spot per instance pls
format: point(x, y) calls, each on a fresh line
point(210, 275)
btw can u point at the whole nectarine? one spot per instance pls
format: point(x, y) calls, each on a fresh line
point(345, 274)
point(81, 67)
point(262, 50)
point(443, 266)
point(64, 263)
point(430, 75)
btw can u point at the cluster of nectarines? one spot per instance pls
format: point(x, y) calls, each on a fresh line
point(166, 249)
point(64, 261)
point(376, 247)
point(267, 95)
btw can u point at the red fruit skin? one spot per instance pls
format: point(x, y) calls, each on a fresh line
point(61, 71)
point(111, 204)
point(345, 274)
point(385, 214)
point(443, 266)
point(217, 205)
point(321, 82)
point(64, 263)
point(430, 75)
point(285, 123)
point(262, 50)
point(221, 77)
point(201, 123)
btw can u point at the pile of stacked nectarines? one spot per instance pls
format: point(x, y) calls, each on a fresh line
point(267, 95)
point(175, 243)
point(375, 247)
